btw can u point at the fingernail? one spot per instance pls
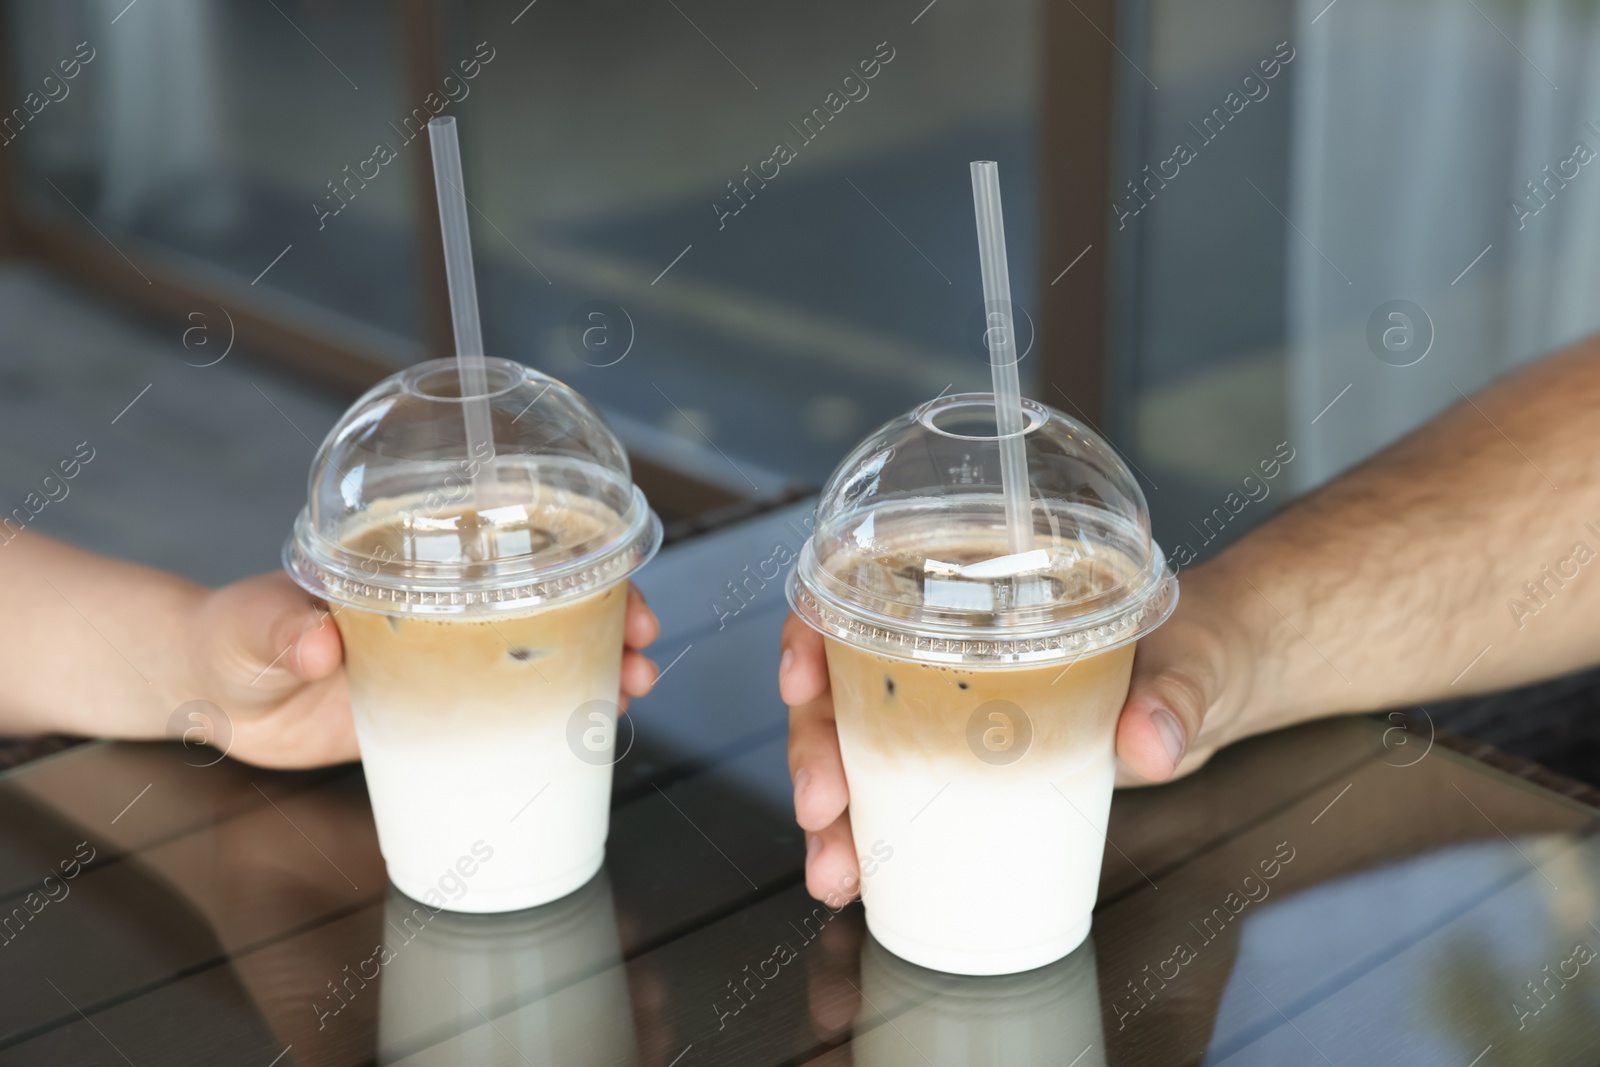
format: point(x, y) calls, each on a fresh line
point(812, 843)
point(1173, 738)
point(801, 778)
point(783, 664)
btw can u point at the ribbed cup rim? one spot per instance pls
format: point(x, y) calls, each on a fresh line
point(322, 573)
point(1111, 627)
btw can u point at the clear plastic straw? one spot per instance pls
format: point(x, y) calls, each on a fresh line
point(1001, 339)
point(463, 300)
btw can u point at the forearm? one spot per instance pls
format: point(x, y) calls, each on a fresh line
point(1407, 580)
point(89, 645)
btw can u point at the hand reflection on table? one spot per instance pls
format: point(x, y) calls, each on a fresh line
point(295, 894)
point(904, 1015)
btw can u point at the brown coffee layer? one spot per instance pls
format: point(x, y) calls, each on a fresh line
point(461, 670)
point(916, 710)
point(483, 666)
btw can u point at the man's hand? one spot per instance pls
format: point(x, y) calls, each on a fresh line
point(270, 657)
point(821, 797)
point(1190, 684)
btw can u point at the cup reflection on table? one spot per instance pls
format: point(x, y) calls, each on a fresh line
point(549, 978)
point(914, 1017)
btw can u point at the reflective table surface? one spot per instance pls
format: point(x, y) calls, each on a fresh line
point(1341, 893)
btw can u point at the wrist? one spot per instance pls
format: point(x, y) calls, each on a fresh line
point(189, 666)
point(160, 645)
point(145, 673)
point(186, 665)
point(1282, 677)
point(96, 647)
point(1226, 623)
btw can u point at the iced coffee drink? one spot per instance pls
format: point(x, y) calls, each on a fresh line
point(483, 630)
point(479, 705)
point(977, 689)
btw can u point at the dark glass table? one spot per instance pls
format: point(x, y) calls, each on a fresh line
point(1343, 893)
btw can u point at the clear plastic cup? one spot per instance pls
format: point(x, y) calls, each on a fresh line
point(976, 689)
point(483, 637)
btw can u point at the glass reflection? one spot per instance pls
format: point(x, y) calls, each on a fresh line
point(215, 135)
point(548, 981)
point(1439, 957)
point(914, 1017)
point(800, 318)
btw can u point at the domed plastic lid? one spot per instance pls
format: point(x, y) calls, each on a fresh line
point(910, 555)
point(402, 519)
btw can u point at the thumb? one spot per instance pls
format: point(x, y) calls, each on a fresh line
point(1190, 680)
point(1160, 719)
point(284, 631)
point(319, 650)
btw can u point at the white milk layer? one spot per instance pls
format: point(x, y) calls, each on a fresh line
point(982, 794)
point(543, 814)
point(990, 873)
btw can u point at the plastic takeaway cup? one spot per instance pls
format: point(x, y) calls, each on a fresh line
point(482, 629)
point(977, 690)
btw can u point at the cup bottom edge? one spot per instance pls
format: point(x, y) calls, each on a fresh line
point(482, 901)
point(978, 962)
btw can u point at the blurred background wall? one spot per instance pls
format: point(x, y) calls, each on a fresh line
point(1214, 213)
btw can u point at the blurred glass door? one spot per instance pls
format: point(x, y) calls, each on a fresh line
point(1330, 221)
point(236, 142)
point(745, 230)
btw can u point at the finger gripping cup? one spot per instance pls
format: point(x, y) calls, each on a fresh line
point(479, 615)
point(977, 689)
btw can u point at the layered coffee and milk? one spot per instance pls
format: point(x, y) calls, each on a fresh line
point(465, 719)
point(991, 784)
